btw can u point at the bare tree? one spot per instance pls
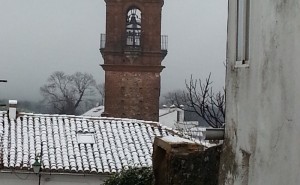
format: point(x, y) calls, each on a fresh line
point(172, 98)
point(101, 91)
point(199, 97)
point(64, 93)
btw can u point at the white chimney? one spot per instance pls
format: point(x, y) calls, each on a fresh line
point(180, 115)
point(12, 110)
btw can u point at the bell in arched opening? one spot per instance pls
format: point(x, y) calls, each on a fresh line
point(133, 28)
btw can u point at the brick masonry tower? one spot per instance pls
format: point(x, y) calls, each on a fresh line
point(133, 50)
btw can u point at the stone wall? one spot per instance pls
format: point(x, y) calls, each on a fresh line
point(183, 163)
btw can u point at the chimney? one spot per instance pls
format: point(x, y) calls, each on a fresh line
point(12, 109)
point(172, 106)
point(180, 114)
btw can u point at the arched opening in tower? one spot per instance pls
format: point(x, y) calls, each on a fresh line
point(133, 28)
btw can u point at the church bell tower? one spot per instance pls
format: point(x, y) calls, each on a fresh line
point(133, 49)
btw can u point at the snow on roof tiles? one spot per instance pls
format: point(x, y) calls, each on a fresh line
point(119, 143)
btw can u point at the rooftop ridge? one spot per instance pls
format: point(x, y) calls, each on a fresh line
point(24, 114)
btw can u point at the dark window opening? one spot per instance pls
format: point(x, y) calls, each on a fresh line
point(133, 28)
point(243, 21)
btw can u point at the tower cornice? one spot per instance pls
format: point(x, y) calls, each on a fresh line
point(132, 68)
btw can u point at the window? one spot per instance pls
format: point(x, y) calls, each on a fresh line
point(133, 28)
point(242, 50)
point(85, 138)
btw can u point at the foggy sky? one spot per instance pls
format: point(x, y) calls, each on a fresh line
point(38, 37)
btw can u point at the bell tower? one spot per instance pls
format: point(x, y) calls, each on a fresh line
point(133, 49)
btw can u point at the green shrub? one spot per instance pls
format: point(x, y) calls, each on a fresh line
point(132, 176)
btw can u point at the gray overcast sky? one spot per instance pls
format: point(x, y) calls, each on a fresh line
point(38, 37)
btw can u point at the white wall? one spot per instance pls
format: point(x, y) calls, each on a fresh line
point(263, 100)
point(32, 179)
point(169, 117)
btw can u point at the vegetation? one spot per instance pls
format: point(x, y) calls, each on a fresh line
point(25, 106)
point(100, 88)
point(199, 98)
point(67, 94)
point(132, 176)
point(64, 92)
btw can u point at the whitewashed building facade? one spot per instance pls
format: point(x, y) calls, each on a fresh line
point(263, 94)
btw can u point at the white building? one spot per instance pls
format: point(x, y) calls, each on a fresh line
point(262, 88)
point(72, 149)
point(171, 116)
point(168, 116)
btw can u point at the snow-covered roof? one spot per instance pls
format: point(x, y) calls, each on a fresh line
point(176, 139)
point(106, 145)
point(168, 116)
point(96, 111)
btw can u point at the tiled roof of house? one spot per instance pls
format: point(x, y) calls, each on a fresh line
point(115, 143)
